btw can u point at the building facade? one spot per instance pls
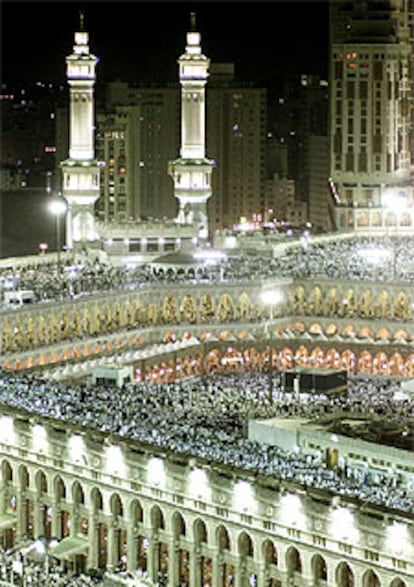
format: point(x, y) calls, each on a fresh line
point(371, 111)
point(111, 502)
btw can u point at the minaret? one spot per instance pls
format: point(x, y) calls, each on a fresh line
point(80, 170)
point(191, 172)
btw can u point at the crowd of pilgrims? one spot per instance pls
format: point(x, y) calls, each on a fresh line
point(207, 418)
point(34, 573)
point(368, 258)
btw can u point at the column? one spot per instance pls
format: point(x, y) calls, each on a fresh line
point(38, 525)
point(93, 540)
point(111, 546)
point(56, 519)
point(173, 562)
point(195, 570)
point(240, 573)
point(262, 575)
point(217, 559)
point(132, 547)
point(153, 555)
point(21, 513)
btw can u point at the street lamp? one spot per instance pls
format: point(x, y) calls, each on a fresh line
point(270, 298)
point(58, 208)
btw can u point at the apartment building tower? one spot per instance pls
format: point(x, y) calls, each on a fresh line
point(371, 82)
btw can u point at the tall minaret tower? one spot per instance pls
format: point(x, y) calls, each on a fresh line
point(191, 172)
point(80, 170)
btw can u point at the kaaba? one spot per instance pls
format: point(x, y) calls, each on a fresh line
point(323, 381)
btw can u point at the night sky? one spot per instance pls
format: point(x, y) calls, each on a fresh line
point(141, 41)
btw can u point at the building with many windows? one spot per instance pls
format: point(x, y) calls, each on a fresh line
point(371, 83)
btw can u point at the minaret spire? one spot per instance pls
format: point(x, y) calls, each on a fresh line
point(80, 169)
point(191, 172)
point(81, 22)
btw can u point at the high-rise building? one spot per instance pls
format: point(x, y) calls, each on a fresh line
point(148, 140)
point(299, 122)
point(236, 139)
point(371, 82)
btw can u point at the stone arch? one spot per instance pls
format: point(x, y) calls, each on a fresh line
point(409, 366)
point(383, 334)
point(365, 307)
point(27, 502)
point(78, 495)
point(6, 471)
point(297, 328)
point(299, 303)
point(348, 304)
point(331, 329)
point(397, 582)
point(319, 569)
point(396, 365)
point(252, 359)
point(178, 525)
point(76, 326)
point(9, 498)
point(119, 533)
point(136, 515)
point(315, 328)
point(97, 502)
point(245, 545)
point(365, 362)
point(365, 332)
point(286, 358)
point(401, 306)
point(349, 361)
point(246, 553)
point(344, 575)
point(136, 511)
point(349, 331)
point(333, 359)
point(269, 553)
point(24, 477)
point(332, 302)
point(200, 532)
point(317, 357)
point(400, 334)
point(302, 356)
point(207, 308)
point(370, 579)
point(59, 488)
point(293, 561)
point(152, 313)
point(225, 309)
point(41, 482)
point(380, 364)
point(169, 310)
point(243, 306)
point(223, 538)
point(315, 303)
point(157, 518)
point(116, 506)
point(188, 309)
point(382, 308)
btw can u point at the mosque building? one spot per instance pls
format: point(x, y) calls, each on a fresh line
point(110, 500)
point(191, 172)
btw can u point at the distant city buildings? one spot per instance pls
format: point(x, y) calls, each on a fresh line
point(331, 156)
point(138, 132)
